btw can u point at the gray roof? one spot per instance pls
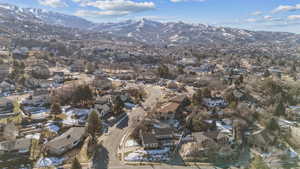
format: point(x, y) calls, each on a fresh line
point(149, 138)
point(16, 145)
point(67, 138)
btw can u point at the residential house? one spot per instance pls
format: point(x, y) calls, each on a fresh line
point(6, 87)
point(20, 146)
point(78, 66)
point(174, 108)
point(66, 141)
point(294, 112)
point(219, 137)
point(102, 83)
point(10, 132)
point(6, 106)
point(215, 102)
point(163, 133)
point(169, 111)
point(148, 140)
point(58, 77)
point(165, 136)
point(261, 140)
point(4, 71)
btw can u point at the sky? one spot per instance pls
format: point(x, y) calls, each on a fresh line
point(269, 15)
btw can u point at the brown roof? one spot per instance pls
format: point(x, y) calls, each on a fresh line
point(170, 107)
point(179, 98)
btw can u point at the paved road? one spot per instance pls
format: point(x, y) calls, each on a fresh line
point(112, 142)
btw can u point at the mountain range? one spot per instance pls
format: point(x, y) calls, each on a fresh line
point(15, 19)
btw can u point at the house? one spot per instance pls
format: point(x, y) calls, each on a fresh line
point(10, 132)
point(174, 108)
point(205, 141)
point(148, 140)
point(294, 112)
point(163, 133)
point(37, 101)
point(181, 99)
point(58, 77)
point(20, 145)
point(168, 111)
point(104, 109)
point(102, 83)
point(6, 106)
point(261, 140)
point(215, 102)
point(165, 136)
point(66, 141)
point(78, 66)
point(219, 137)
point(6, 87)
point(4, 71)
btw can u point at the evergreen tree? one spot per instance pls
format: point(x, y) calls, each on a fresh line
point(94, 124)
point(55, 108)
point(118, 105)
point(206, 93)
point(280, 109)
point(258, 163)
point(76, 164)
point(273, 125)
point(197, 97)
point(163, 71)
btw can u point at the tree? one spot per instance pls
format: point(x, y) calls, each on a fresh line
point(82, 95)
point(94, 124)
point(55, 108)
point(258, 163)
point(180, 69)
point(267, 73)
point(293, 68)
point(118, 105)
point(273, 125)
point(76, 164)
point(280, 109)
point(197, 97)
point(90, 68)
point(163, 71)
point(206, 93)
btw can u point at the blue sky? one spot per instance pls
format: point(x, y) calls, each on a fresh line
point(269, 15)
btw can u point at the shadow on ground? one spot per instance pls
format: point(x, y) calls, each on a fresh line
point(101, 158)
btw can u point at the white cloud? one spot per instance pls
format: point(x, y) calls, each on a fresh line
point(256, 13)
point(113, 7)
point(294, 17)
point(53, 3)
point(268, 17)
point(122, 5)
point(175, 1)
point(251, 20)
point(284, 8)
point(86, 13)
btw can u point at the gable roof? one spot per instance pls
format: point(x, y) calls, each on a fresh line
point(19, 144)
point(67, 138)
point(149, 138)
point(170, 107)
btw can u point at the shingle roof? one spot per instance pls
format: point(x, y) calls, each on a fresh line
point(15, 145)
point(149, 139)
point(67, 138)
point(170, 107)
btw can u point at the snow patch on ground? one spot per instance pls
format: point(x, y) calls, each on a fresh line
point(49, 161)
point(131, 143)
